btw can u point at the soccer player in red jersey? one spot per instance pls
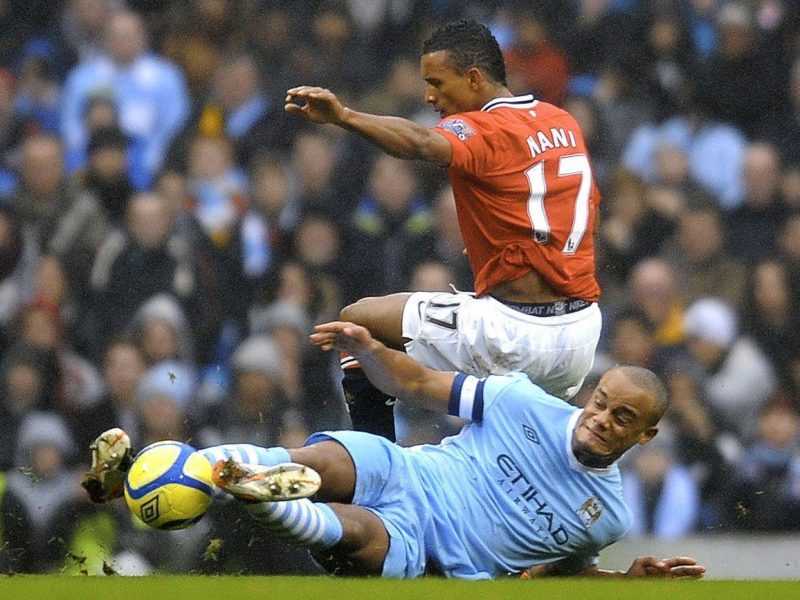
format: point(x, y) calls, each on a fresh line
point(526, 203)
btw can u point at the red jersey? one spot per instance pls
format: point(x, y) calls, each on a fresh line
point(525, 195)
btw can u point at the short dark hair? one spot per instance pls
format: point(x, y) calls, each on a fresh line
point(650, 383)
point(469, 44)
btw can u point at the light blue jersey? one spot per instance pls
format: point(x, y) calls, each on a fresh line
point(503, 495)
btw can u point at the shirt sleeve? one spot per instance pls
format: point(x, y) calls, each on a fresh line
point(467, 143)
point(471, 396)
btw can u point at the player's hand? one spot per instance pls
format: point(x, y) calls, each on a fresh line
point(318, 105)
point(680, 567)
point(349, 337)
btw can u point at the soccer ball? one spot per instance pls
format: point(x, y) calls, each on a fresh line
point(169, 485)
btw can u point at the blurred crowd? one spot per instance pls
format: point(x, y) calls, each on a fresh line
point(168, 236)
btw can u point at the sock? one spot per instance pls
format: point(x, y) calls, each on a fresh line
point(299, 522)
point(370, 409)
point(247, 453)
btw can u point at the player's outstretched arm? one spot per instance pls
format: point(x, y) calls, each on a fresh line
point(393, 372)
point(680, 567)
point(396, 136)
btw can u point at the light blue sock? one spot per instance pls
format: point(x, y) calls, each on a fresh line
point(247, 453)
point(299, 522)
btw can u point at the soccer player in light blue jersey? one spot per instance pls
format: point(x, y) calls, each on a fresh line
point(530, 485)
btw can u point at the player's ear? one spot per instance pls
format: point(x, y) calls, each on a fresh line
point(648, 435)
point(475, 77)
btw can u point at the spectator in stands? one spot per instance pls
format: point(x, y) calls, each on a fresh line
point(272, 199)
point(714, 150)
point(105, 176)
point(315, 177)
point(53, 215)
point(708, 455)
point(233, 237)
point(699, 253)
point(781, 126)
point(534, 64)
point(37, 87)
point(401, 93)
point(123, 367)
point(150, 95)
point(670, 62)
point(631, 343)
point(25, 387)
point(16, 554)
point(82, 28)
point(145, 259)
point(162, 331)
point(18, 258)
point(165, 402)
point(755, 223)
point(239, 110)
point(197, 33)
point(738, 377)
point(42, 481)
point(770, 315)
point(392, 229)
point(12, 130)
point(654, 291)
point(765, 492)
point(629, 231)
point(742, 80)
point(431, 276)
point(660, 491)
point(586, 111)
point(80, 384)
point(448, 243)
point(320, 248)
point(256, 407)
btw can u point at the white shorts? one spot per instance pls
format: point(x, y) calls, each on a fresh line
point(483, 336)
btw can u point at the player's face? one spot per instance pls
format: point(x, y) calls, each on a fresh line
point(617, 416)
point(447, 90)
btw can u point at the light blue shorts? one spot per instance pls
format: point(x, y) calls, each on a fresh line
point(387, 485)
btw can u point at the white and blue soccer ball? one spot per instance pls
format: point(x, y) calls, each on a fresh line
point(169, 486)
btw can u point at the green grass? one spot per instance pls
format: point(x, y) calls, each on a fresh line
point(158, 587)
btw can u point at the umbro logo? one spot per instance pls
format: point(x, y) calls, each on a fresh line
point(531, 435)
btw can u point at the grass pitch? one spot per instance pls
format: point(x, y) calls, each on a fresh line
point(158, 587)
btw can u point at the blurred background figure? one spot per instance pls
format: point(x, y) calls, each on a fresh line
point(43, 482)
point(660, 491)
point(738, 378)
point(765, 492)
point(392, 229)
point(149, 92)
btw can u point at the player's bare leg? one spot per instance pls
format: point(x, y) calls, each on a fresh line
point(382, 315)
point(347, 539)
point(370, 409)
point(364, 544)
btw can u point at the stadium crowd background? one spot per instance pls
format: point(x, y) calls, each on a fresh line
point(168, 236)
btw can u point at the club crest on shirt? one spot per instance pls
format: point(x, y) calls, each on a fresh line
point(458, 128)
point(590, 511)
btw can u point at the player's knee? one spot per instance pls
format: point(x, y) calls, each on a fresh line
point(357, 312)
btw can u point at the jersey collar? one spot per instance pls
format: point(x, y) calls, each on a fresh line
point(573, 462)
point(525, 101)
